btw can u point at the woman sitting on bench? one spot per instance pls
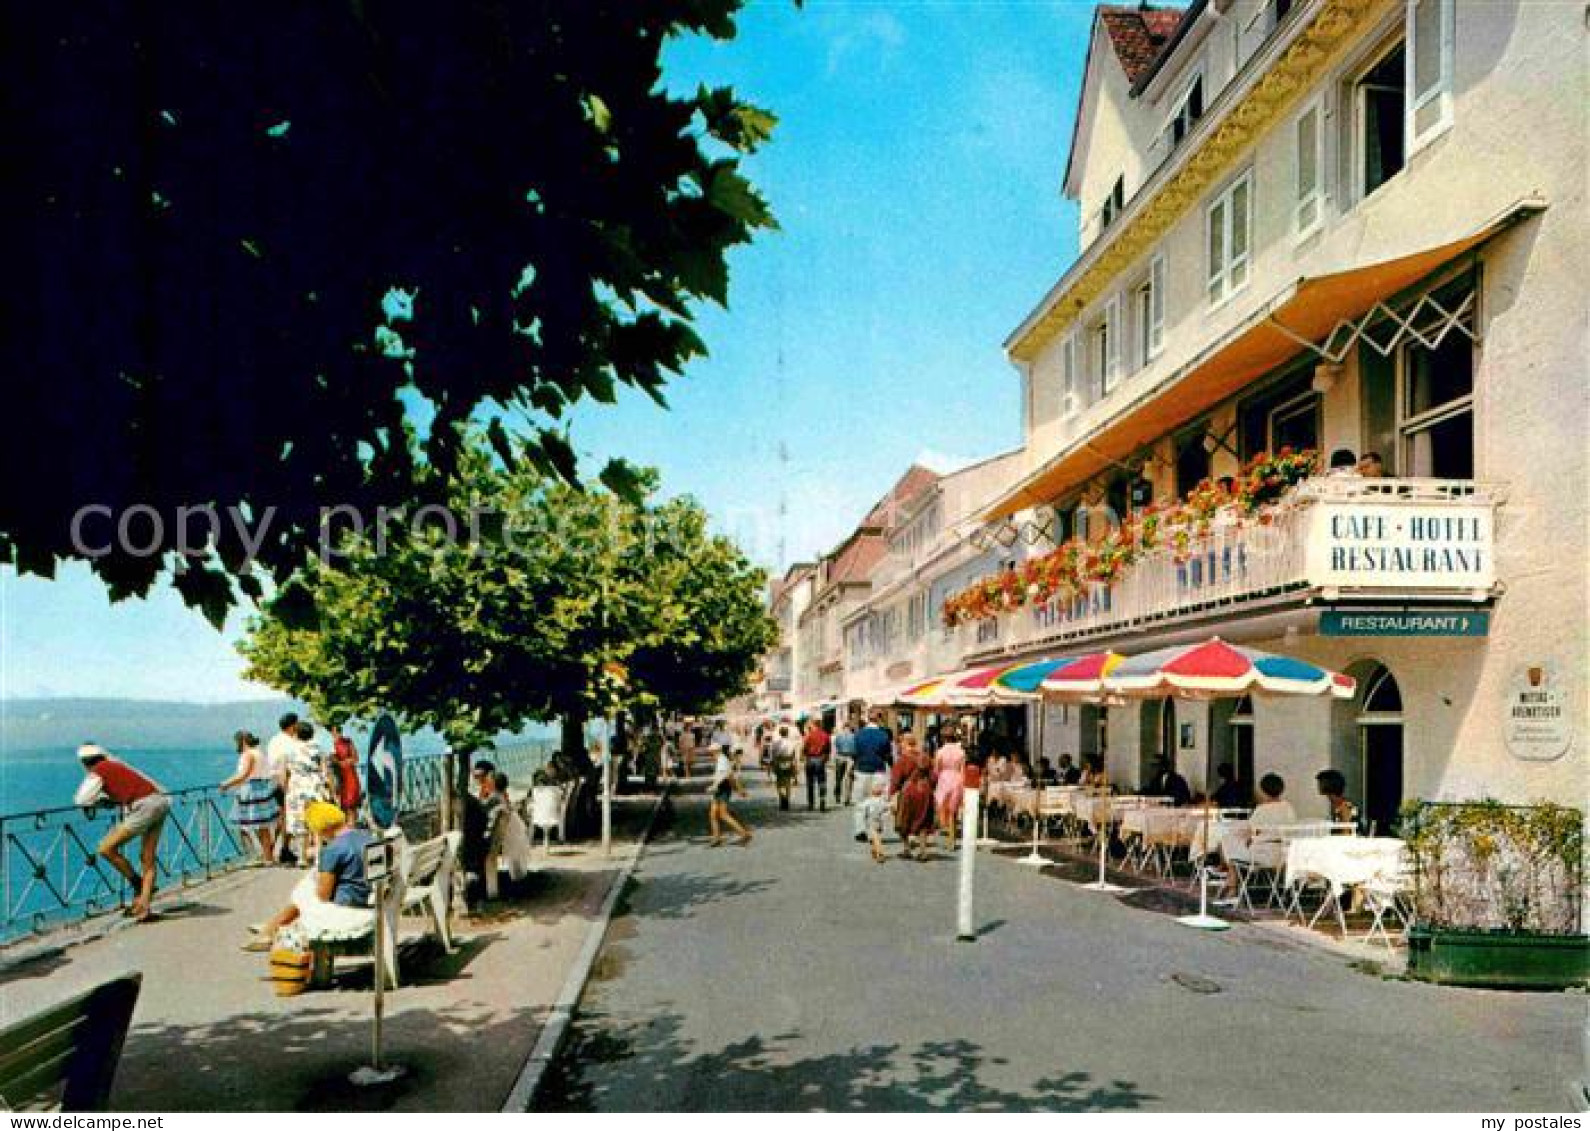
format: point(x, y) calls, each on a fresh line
point(337, 886)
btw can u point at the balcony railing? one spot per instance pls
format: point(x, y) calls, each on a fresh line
point(1335, 538)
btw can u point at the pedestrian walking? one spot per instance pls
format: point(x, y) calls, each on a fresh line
point(816, 747)
point(844, 763)
point(873, 758)
point(725, 784)
point(913, 818)
point(949, 766)
point(874, 808)
point(255, 810)
point(782, 756)
point(144, 807)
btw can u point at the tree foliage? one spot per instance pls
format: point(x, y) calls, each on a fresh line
point(569, 602)
point(247, 240)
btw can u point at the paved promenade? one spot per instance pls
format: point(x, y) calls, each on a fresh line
point(209, 1034)
point(797, 974)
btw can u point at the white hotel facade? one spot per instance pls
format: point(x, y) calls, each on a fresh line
point(1332, 224)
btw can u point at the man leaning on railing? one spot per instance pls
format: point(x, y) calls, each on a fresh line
point(144, 807)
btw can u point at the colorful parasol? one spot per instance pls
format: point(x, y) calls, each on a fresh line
point(1216, 669)
point(1022, 681)
point(1083, 677)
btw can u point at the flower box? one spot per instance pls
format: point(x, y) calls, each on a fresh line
point(1499, 959)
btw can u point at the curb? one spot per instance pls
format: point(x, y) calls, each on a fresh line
point(555, 1030)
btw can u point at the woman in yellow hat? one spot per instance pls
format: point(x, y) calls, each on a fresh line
point(338, 879)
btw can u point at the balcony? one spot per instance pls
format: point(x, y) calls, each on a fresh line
point(1351, 540)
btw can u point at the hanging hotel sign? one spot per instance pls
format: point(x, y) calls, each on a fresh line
point(1411, 622)
point(1401, 546)
point(1536, 723)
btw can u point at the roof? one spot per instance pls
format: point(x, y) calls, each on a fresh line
point(885, 513)
point(1188, 17)
point(1138, 34)
point(855, 562)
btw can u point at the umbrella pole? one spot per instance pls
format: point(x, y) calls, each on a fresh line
point(1036, 859)
point(1204, 921)
point(1102, 883)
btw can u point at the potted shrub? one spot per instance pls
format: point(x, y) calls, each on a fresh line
point(1497, 894)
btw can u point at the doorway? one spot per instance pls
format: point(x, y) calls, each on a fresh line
point(1231, 740)
point(1379, 753)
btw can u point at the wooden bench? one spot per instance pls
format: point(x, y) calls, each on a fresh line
point(423, 884)
point(67, 1054)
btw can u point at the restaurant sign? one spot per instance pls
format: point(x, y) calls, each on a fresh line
point(1536, 723)
point(1394, 546)
point(1430, 622)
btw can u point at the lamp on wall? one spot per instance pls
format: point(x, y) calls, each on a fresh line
point(1326, 374)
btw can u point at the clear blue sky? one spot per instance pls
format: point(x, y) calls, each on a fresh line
point(916, 175)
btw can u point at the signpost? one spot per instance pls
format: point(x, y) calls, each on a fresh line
point(380, 859)
point(1408, 622)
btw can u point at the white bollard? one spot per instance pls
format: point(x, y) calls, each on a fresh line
point(963, 919)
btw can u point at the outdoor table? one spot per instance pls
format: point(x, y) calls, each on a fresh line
point(1220, 826)
point(1344, 861)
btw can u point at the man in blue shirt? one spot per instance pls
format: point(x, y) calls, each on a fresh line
point(874, 756)
point(844, 763)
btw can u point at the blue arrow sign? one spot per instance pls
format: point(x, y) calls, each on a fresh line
point(1341, 622)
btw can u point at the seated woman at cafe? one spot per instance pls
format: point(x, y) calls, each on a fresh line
point(1272, 812)
point(1093, 775)
point(1332, 785)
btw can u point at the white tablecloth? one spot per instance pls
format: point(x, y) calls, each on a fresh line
point(1344, 861)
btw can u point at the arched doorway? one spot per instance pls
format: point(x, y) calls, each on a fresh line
point(1379, 751)
point(1231, 740)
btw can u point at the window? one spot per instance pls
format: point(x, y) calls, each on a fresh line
point(1104, 348)
point(1115, 202)
point(1295, 424)
point(1189, 108)
point(1430, 42)
point(1309, 169)
point(1230, 236)
point(1147, 313)
point(1070, 393)
point(1380, 95)
point(1284, 413)
point(1438, 404)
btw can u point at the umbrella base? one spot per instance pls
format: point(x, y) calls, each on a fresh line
point(1204, 922)
point(1102, 885)
point(1034, 859)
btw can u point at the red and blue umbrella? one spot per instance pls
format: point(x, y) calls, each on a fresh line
point(1216, 669)
point(1083, 676)
point(1023, 681)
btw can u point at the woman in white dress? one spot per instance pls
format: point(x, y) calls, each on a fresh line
point(307, 781)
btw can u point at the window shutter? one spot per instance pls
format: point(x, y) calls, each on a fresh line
point(1241, 220)
point(1156, 306)
point(1309, 169)
point(1431, 38)
point(1112, 343)
point(1217, 250)
point(1068, 376)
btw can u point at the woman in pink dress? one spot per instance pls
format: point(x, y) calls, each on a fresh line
point(949, 766)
